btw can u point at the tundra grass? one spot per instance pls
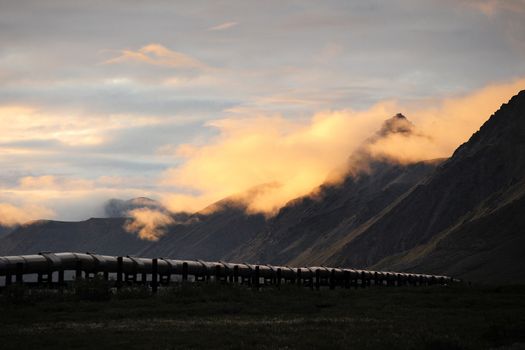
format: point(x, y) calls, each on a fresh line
point(233, 317)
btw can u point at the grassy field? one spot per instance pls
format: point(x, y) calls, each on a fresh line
point(215, 316)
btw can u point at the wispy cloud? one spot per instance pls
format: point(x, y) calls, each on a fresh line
point(491, 7)
point(26, 123)
point(147, 223)
point(158, 55)
point(14, 215)
point(223, 26)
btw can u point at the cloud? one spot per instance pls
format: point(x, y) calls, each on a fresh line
point(69, 197)
point(223, 26)
point(74, 128)
point(492, 7)
point(148, 223)
point(51, 182)
point(158, 55)
point(296, 156)
point(443, 125)
point(11, 215)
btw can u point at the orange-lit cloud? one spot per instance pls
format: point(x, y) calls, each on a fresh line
point(223, 26)
point(147, 223)
point(158, 55)
point(443, 125)
point(14, 215)
point(65, 198)
point(22, 123)
point(297, 156)
point(491, 7)
point(49, 182)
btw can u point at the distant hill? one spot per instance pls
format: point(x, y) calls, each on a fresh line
point(103, 236)
point(211, 234)
point(118, 208)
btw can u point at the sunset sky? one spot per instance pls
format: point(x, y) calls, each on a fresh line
point(190, 101)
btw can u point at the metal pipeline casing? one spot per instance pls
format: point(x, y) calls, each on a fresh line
point(93, 263)
point(288, 272)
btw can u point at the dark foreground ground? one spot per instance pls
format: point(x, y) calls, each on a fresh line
point(213, 316)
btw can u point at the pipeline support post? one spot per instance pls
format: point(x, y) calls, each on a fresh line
point(184, 272)
point(61, 277)
point(236, 274)
point(256, 277)
point(332, 279)
point(119, 272)
point(78, 270)
point(19, 273)
point(154, 276)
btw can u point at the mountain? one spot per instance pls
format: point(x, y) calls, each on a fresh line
point(308, 229)
point(227, 232)
point(462, 216)
point(210, 234)
point(204, 235)
point(118, 208)
point(103, 236)
point(473, 225)
point(224, 227)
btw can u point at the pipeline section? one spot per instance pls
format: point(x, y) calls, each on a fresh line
point(58, 269)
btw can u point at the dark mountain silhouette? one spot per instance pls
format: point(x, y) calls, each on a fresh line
point(205, 235)
point(118, 208)
point(103, 236)
point(210, 234)
point(5, 230)
point(462, 216)
point(472, 223)
point(482, 177)
point(307, 228)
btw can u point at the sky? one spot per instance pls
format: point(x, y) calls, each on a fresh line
point(191, 101)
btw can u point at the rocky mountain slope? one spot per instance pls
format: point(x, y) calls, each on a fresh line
point(477, 228)
point(210, 234)
point(308, 227)
point(464, 219)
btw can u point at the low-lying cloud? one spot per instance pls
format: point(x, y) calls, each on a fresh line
point(296, 156)
point(11, 215)
point(149, 224)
